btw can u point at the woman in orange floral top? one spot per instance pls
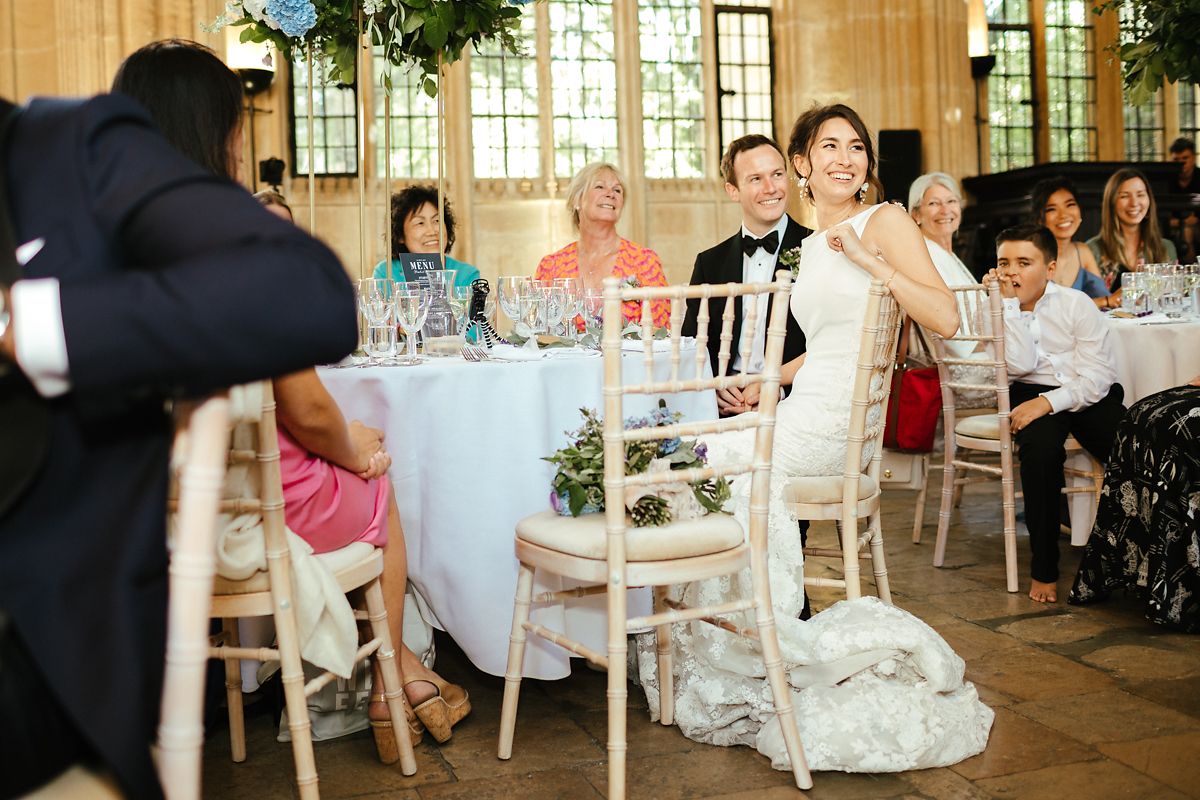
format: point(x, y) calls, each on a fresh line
point(595, 200)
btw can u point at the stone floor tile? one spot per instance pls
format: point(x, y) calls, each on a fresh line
point(703, 772)
point(643, 739)
point(1109, 716)
point(1028, 673)
point(558, 784)
point(1106, 779)
point(1055, 628)
point(1169, 759)
point(973, 641)
point(1181, 694)
point(1017, 744)
point(987, 604)
point(539, 744)
point(1139, 662)
point(944, 784)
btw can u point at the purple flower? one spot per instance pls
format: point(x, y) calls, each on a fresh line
point(556, 502)
point(701, 451)
point(295, 17)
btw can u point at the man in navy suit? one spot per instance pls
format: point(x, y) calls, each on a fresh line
point(755, 176)
point(139, 277)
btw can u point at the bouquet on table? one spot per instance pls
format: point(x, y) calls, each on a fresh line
point(578, 486)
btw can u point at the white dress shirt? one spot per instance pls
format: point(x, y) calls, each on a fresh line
point(1063, 343)
point(758, 267)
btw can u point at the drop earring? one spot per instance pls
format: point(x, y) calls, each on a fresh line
point(802, 182)
point(862, 193)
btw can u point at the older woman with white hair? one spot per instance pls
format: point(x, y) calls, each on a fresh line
point(935, 202)
point(595, 200)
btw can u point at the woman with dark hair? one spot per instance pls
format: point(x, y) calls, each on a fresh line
point(335, 484)
point(415, 229)
point(890, 696)
point(1129, 233)
point(1053, 204)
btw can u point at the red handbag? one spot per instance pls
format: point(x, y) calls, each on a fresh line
point(915, 403)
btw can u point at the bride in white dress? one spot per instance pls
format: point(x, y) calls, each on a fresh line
point(875, 689)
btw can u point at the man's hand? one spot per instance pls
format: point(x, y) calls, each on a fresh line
point(730, 401)
point(1006, 287)
point(1027, 412)
point(750, 396)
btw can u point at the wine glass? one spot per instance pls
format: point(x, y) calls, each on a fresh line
point(573, 290)
point(508, 287)
point(1170, 296)
point(459, 299)
point(593, 306)
point(532, 308)
point(556, 307)
point(412, 304)
point(375, 304)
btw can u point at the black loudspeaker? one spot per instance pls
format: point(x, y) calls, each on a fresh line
point(899, 162)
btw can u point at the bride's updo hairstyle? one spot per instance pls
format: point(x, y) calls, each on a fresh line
point(804, 135)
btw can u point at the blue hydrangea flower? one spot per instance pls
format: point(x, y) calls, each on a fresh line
point(668, 446)
point(295, 17)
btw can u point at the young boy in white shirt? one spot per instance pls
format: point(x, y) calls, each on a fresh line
point(1061, 365)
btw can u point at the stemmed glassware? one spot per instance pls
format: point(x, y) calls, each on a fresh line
point(1133, 292)
point(459, 299)
point(573, 295)
point(532, 307)
point(593, 306)
point(412, 305)
point(556, 307)
point(375, 304)
point(509, 288)
point(1170, 295)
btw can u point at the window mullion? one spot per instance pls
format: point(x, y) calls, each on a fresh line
point(545, 98)
point(1041, 87)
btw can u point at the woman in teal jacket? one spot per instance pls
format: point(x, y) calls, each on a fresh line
point(415, 230)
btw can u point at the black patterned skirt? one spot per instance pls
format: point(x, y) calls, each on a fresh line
point(1147, 533)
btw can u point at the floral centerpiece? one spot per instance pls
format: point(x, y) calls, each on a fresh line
point(578, 486)
point(422, 33)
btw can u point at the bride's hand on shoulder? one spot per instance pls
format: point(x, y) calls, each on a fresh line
point(842, 238)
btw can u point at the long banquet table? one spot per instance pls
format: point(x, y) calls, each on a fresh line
point(467, 442)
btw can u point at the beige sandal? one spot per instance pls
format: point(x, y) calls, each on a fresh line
point(444, 710)
point(385, 739)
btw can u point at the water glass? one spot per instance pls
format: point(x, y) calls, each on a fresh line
point(573, 290)
point(1170, 297)
point(375, 304)
point(593, 306)
point(1133, 292)
point(532, 309)
point(412, 305)
point(556, 308)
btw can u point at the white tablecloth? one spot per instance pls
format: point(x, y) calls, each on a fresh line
point(467, 442)
point(1152, 355)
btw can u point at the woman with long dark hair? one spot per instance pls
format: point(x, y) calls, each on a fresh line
point(335, 482)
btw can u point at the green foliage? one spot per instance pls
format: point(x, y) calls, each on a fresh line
point(1162, 43)
point(578, 485)
point(413, 33)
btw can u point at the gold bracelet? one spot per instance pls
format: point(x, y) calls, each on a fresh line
point(888, 283)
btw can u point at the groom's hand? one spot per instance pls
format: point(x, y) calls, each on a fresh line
point(730, 401)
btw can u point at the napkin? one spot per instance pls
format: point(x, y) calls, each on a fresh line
point(637, 346)
point(507, 352)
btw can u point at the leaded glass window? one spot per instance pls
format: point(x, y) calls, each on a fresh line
point(504, 109)
point(1071, 80)
point(1010, 85)
point(335, 143)
point(1144, 126)
point(583, 77)
point(413, 117)
point(744, 70)
point(672, 88)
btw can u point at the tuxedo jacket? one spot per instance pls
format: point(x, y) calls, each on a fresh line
point(173, 282)
point(723, 264)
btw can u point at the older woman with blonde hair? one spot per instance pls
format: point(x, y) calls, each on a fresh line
point(595, 199)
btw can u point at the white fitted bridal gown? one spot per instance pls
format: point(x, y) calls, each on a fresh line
point(875, 688)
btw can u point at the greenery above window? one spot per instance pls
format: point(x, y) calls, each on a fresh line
point(411, 33)
point(1163, 47)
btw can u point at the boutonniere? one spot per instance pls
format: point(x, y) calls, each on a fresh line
point(790, 259)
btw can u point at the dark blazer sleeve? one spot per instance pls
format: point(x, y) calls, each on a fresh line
point(216, 290)
point(693, 305)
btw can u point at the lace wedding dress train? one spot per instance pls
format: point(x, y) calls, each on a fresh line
point(875, 688)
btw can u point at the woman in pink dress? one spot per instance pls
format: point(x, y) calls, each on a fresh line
point(335, 493)
point(595, 200)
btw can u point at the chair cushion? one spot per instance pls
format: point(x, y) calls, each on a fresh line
point(824, 489)
point(984, 426)
point(584, 536)
point(335, 560)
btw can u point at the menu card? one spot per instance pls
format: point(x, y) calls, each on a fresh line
point(417, 264)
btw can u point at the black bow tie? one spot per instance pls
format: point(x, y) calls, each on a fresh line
point(770, 243)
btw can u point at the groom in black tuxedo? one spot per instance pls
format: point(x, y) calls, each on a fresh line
point(755, 174)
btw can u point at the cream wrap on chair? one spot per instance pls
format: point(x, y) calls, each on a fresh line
point(325, 621)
